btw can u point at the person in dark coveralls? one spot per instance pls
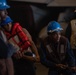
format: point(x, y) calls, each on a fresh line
point(55, 52)
point(6, 64)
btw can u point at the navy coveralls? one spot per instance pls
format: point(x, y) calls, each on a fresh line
point(49, 61)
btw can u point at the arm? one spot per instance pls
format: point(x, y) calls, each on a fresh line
point(43, 56)
point(33, 47)
point(29, 56)
point(70, 58)
point(70, 55)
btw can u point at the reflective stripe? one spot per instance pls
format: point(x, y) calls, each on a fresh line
point(58, 29)
point(49, 48)
point(62, 49)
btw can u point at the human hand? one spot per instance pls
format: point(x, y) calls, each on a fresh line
point(37, 58)
point(62, 66)
point(73, 69)
point(18, 55)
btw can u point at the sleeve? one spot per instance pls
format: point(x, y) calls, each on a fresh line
point(44, 61)
point(70, 55)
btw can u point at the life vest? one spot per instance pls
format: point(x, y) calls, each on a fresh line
point(73, 34)
point(19, 37)
point(54, 54)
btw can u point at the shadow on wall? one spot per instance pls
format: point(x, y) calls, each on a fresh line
point(33, 17)
point(22, 13)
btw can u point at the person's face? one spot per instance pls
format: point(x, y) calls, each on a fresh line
point(3, 14)
point(55, 36)
point(8, 26)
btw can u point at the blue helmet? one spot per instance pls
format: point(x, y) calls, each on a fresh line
point(53, 26)
point(3, 5)
point(6, 21)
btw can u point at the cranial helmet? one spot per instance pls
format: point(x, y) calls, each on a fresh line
point(3, 5)
point(6, 21)
point(53, 26)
